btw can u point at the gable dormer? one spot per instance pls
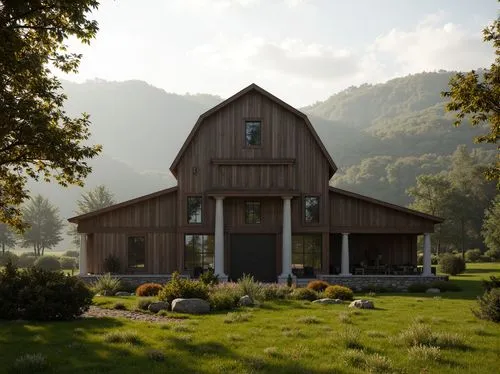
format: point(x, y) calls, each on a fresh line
point(253, 140)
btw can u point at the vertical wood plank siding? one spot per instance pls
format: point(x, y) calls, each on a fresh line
point(348, 214)
point(217, 159)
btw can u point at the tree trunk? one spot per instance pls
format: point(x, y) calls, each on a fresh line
point(3, 248)
point(463, 239)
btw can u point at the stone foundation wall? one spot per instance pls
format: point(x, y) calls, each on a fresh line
point(395, 282)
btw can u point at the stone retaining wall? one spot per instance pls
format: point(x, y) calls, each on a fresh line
point(399, 283)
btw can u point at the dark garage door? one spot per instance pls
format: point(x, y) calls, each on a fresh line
point(254, 255)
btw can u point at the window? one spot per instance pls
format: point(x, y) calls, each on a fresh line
point(311, 209)
point(306, 255)
point(136, 252)
point(198, 253)
point(252, 212)
point(253, 133)
point(194, 209)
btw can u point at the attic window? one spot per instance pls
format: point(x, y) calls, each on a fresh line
point(253, 133)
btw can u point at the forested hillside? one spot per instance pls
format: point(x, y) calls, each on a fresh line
point(403, 131)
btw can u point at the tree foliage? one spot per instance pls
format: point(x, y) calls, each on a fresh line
point(7, 237)
point(477, 98)
point(95, 199)
point(491, 225)
point(44, 225)
point(37, 138)
point(458, 195)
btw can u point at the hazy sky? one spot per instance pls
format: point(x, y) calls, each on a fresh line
point(300, 50)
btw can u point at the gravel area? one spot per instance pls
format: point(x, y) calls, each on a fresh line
point(96, 312)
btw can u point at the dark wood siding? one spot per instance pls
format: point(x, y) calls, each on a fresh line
point(352, 215)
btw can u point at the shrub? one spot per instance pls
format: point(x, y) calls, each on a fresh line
point(317, 285)
point(237, 317)
point(31, 363)
point(119, 306)
point(339, 292)
point(416, 335)
point(309, 320)
point(304, 294)
point(75, 254)
point(8, 257)
point(26, 260)
point(38, 294)
point(128, 337)
point(493, 254)
point(224, 296)
point(178, 287)
point(112, 264)
point(50, 263)
point(424, 353)
point(473, 255)
point(143, 303)
point(209, 278)
point(489, 306)
point(67, 262)
point(106, 285)
point(451, 264)
point(274, 291)
point(148, 289)
point(250, 287)
point(494, 282)
point(350, 338)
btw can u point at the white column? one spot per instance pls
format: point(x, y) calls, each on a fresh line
point(83, 254)
point(219, 238)
point(427, 255)
point(286, 258)
point(345, 255)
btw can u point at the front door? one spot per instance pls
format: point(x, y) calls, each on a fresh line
point(254, 255)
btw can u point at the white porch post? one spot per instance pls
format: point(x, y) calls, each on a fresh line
point(286, 257)
point(83, 254)
point(345, 255)
point(427, 255)
point(219, 238)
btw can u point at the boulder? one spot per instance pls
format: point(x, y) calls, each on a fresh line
point(190, 306)
point(327, 301)
point(245, 301)
point(121, 293)
point(362, 304)
point(157, 306)
point(433, 290)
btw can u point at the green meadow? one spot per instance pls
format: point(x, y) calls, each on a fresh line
point(406, 333)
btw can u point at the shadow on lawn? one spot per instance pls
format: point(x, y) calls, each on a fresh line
point(237, 362)
point(78, 347)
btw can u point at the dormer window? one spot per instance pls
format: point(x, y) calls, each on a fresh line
point(253, 132)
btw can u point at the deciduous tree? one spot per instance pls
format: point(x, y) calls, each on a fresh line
point(491, 225)
point(97, 198)
point(37, 138)
point(45, 226)
point(477, 98)
point(7, 237)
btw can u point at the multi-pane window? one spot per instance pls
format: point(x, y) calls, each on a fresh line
point(252, 212)
point(306, 254)
point(253, 132)
point(311, 209)
point(198, 253)
point(136, 252)
point(194, 209)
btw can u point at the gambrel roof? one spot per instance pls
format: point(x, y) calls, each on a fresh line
point(253, 87)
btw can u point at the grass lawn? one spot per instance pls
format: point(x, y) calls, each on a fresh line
point(277, 337)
